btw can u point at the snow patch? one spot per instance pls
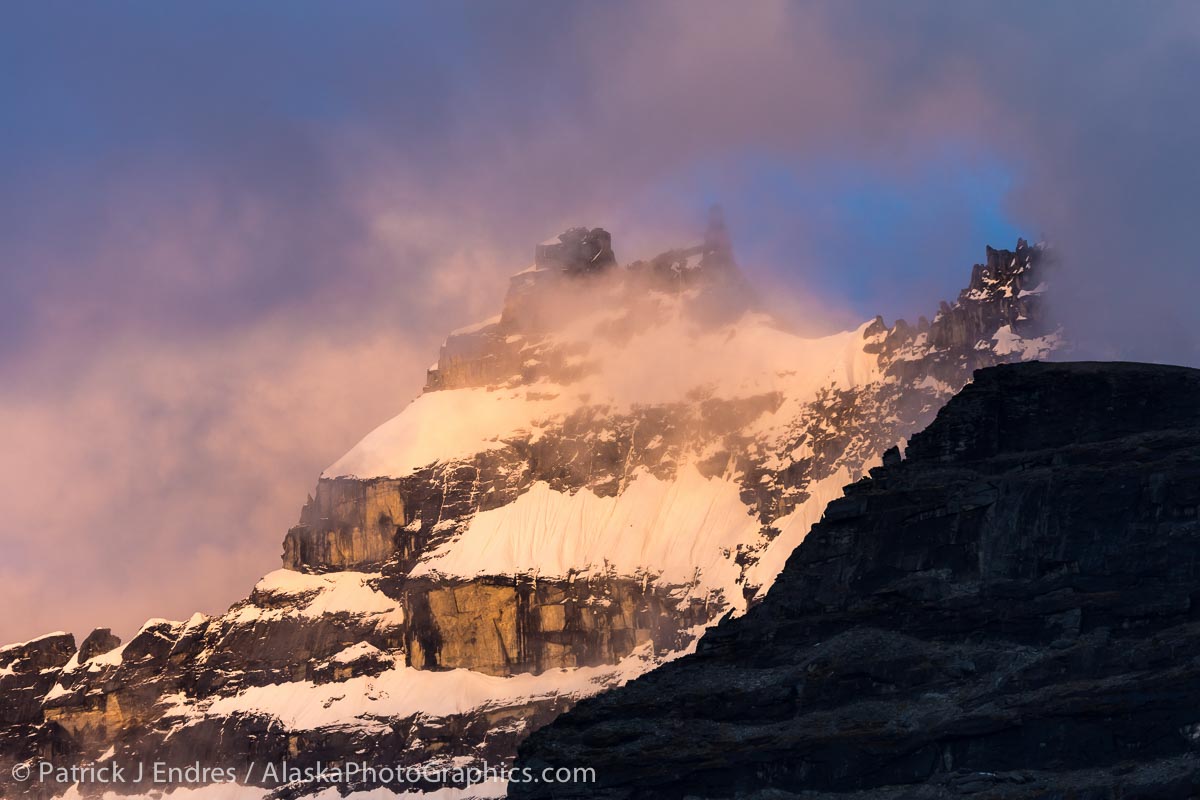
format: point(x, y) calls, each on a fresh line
point(443, 426)
point(356, 651)
point(110, 659)
point(933, 384)
point(318, 595)
point(1009, 343)
point(795, 526)
point(659, 365)
point(679, 531)
point(374, 703)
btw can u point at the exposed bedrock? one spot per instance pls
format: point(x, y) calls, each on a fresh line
point(502, 627)
point(1011, 611)
point(27, 671)
point(97, 643)
point(348, 524)
point(149, 698)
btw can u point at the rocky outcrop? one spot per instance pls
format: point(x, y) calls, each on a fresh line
point(348, 524)
point(311, 668)
point(504, 627)
point(97, 643)
point(1008, 611)
point(577, 251)
point(28, 672)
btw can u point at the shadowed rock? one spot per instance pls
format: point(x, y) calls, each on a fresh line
point(1013, 610)
point(97, 643)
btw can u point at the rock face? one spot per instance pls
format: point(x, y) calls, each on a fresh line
point(620, 458)
point(97, 643)
point(577, 251)
point(27, 672)
point(1011, 610)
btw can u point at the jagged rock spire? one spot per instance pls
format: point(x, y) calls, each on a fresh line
point(577, 251)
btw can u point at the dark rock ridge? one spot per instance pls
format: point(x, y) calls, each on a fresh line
point(1010, 611)
point(97, 643)
point(27, 672)
point(577, 251)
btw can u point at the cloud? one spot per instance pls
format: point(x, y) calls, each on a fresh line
point(231, 241)
point(160, 479)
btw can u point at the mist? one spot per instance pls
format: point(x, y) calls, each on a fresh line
point(231, 243)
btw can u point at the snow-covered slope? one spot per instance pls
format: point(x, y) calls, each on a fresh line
point(664, 364)
point(621, 457)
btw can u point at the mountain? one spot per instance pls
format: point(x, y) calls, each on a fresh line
point(1009, 611)
point(623, 456)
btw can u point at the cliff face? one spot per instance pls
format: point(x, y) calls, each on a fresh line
point(551, 353)
point(625, 455)
point(501, 627)
point(1011, 610)
point(27, 672)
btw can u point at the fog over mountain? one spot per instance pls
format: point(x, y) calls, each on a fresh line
point(230, 242)
point(627, 453)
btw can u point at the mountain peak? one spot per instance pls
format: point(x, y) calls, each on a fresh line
point(576, 296)
point(622, 456)
point(576, 251)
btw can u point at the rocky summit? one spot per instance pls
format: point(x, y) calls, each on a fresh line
point(1010, 609)
point(625, 454)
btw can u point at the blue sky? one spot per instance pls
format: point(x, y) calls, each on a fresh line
point(871, 173)
point(877, 242)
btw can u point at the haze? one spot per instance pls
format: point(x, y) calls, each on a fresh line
point(231, 239)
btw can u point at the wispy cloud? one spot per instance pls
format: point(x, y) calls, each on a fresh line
point(230, 240)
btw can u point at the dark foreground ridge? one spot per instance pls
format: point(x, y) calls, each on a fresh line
point(1012, 611)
